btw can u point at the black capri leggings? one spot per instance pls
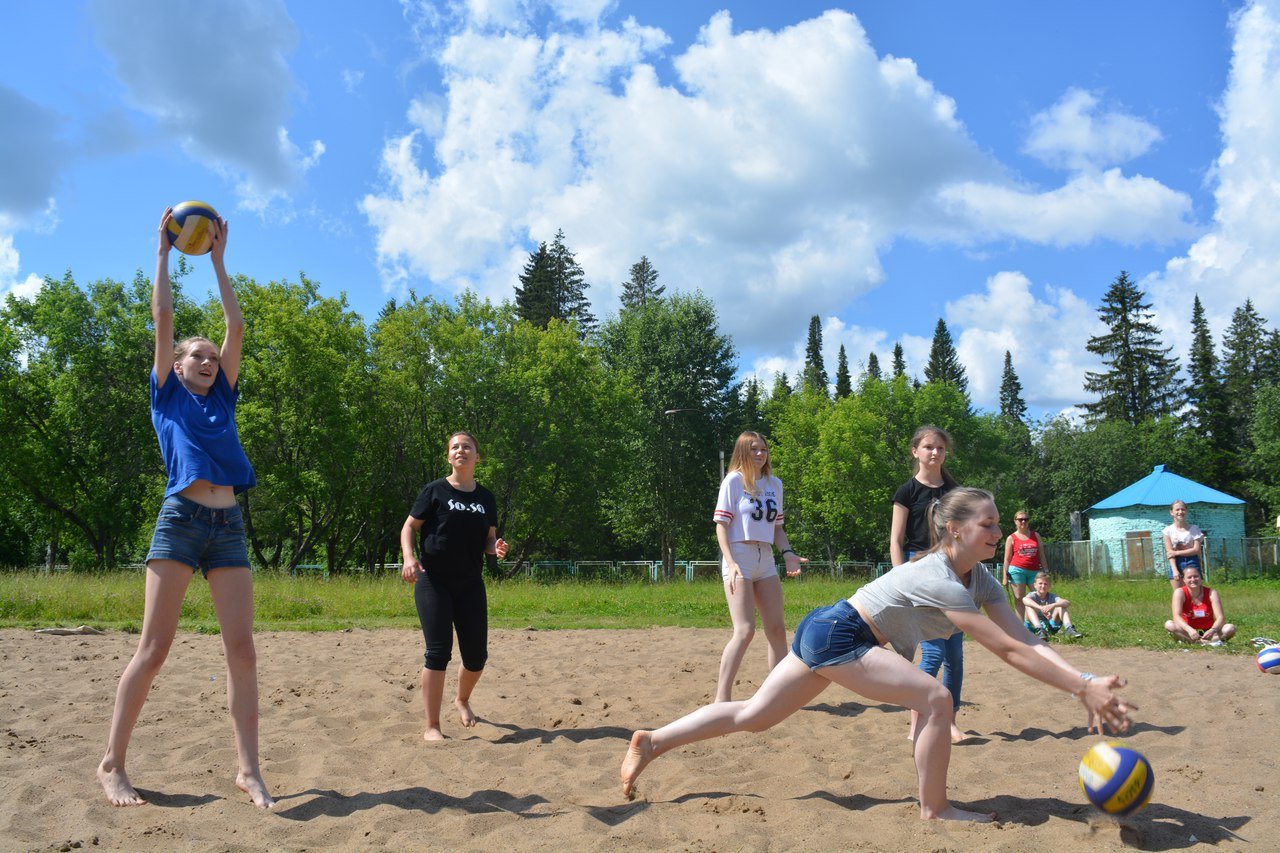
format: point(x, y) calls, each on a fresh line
point(448, 603)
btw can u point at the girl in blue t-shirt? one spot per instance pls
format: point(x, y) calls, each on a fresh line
point(748, 518)
point(193, 400)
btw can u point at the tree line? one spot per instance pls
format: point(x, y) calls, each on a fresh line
point(600, 439)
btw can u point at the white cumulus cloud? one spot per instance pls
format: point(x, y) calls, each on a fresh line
point(1075, 134)
point(216, 78)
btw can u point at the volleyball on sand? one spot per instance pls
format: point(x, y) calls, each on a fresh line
point(1269, 660)
point(191, 227)
point(1116, 777)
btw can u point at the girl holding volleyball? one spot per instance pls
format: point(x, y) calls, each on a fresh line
point(909, 535)
point(193, 401)
point(945, 590)
point(455, 518)
point(748, 518)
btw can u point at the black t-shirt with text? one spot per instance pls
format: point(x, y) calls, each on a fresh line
point(455, 527)
point(917, 497)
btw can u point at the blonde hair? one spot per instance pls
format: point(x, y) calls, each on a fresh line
point(741, 461)
point(958, 505)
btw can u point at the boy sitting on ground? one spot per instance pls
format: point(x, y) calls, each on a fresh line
point(1046, 612)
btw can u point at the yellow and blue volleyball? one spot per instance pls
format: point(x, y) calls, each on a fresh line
point(191, 227)
point(1116, 777)
point(1269, 660)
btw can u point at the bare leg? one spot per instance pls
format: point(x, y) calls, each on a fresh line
point(167, 582)
point(1179, 634)
point(1019, 593)
point(1228, 631)
point(466, 683)
point(432, 696)
point(232, 592)
point(788, 688)
point(768, 592)
point(742, 610)
point(882, 676)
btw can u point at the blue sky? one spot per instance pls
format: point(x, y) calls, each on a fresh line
point(878, 164)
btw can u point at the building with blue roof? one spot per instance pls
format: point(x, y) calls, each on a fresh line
point(1130, 522)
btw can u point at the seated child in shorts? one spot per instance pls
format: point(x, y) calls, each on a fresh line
point(1046, 612)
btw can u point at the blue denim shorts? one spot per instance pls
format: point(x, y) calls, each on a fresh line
point(832, 635)
point(201, 537)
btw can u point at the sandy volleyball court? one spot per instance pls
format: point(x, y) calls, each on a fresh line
point(341, 748)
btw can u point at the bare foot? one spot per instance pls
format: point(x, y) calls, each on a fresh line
point(252, 784)
point(953, 813)
point(117, 788)
point(433, 734)
point(639, 754)
point(958, 736)
point(465, 712)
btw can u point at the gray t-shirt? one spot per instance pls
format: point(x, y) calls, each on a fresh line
point(906, 603)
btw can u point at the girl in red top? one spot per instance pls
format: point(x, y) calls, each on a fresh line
point(1023, 560)
point(1197, 612)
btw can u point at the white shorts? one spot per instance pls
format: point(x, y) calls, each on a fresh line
point(754, 559)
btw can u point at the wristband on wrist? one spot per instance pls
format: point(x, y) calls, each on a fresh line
point(786, 551)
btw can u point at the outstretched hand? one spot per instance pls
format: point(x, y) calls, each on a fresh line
point(165, 245)
point(794, 563)
point(1105, 708)
point(219, 250)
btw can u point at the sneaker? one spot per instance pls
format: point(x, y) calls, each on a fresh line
point(1214, 643)
point(1072, 632)
point(1042, 633)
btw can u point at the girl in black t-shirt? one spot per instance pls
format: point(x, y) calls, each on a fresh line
point(909, 535)
point(457, 520)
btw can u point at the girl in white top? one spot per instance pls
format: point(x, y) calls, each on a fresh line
point(748, 519)
point(946, 590)
point(1182, 543)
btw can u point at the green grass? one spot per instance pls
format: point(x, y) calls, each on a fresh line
point(1114, 614)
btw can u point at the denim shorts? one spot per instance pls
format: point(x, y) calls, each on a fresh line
point(754, 559)
point(199, 536)
point(832, 635)
point(1191, 560)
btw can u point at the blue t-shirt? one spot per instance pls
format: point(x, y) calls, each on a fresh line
point(198, 437)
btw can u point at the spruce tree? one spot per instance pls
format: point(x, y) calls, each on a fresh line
point(844, 384)
point(536, 300)
point(944, 365)
point(1207, 402)
point(873, 366)
point(1141, 378)
point(815, 371)
point(570, 285)
point(642, 286)
point(1243, 360)
point(899, 361)
point(781, 387)
point(1012, 406)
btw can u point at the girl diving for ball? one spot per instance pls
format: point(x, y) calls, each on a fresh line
point(845, 643)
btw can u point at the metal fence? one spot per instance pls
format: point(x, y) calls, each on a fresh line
point(1225, 558)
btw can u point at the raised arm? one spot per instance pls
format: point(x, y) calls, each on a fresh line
point(162, 305)
point(233, 340)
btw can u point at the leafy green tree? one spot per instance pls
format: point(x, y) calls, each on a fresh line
point(1012, 406)
point(944, 364)
point(674, 354)
point(1263, 481)
point(815, 371)
point(1141, 378)
point(642, 286)
point(79, 448)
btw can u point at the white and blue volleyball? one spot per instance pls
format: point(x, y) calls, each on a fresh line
point(1269, 660)
point(1116, 777)
point(191, 227)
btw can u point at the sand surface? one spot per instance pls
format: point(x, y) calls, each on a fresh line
point(342, 751)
